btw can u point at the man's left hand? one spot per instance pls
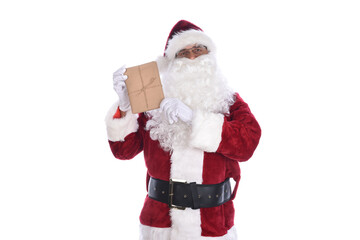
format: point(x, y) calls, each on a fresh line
point(175, 109)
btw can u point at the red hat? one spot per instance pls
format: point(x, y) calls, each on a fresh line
point(185, 33)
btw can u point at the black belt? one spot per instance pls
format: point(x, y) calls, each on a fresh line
point(181, 195)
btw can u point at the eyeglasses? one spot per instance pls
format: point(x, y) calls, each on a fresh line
point(196, 50)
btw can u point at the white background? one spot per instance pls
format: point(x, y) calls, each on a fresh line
point(295, 62)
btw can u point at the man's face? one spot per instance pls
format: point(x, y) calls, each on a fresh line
point(192, 51)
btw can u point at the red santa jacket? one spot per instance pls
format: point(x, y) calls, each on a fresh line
point(218, 143)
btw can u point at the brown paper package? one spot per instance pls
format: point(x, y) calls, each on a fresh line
point(144, 87)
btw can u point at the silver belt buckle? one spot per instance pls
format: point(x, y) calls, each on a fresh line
point(171, 193)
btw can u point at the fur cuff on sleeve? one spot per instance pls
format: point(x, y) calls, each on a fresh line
point(119, 128)
point(206, 130)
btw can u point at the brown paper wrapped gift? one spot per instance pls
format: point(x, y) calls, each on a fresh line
point(144, 87)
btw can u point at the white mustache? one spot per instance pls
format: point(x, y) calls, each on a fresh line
point(185, 65)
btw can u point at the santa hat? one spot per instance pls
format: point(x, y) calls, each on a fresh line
point(185, 33)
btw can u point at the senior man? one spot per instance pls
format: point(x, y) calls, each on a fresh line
point(192, 145)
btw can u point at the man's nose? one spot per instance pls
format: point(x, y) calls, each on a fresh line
point(192, 56)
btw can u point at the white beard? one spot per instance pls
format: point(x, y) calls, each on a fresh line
point(199, 84)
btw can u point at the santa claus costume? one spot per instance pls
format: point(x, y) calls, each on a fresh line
point(204, 152)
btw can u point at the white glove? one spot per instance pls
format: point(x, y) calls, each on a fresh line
point(120, 88)
point(175, 109)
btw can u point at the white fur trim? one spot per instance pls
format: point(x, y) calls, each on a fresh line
point(154, 233)
point(186, 164)
point(185, 38)
point(119, 128)
point(230, 235)
point(206, 130)
point(186, 224)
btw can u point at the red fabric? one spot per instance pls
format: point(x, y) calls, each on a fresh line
point(117, 114)
point(180, 26)
point(242, 123)
point(240, 136)
point(155, 214)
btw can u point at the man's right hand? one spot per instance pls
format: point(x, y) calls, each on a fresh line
point(120, 88)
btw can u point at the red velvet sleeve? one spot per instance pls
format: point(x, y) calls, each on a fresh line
point(241, 132)
point(129, 148)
